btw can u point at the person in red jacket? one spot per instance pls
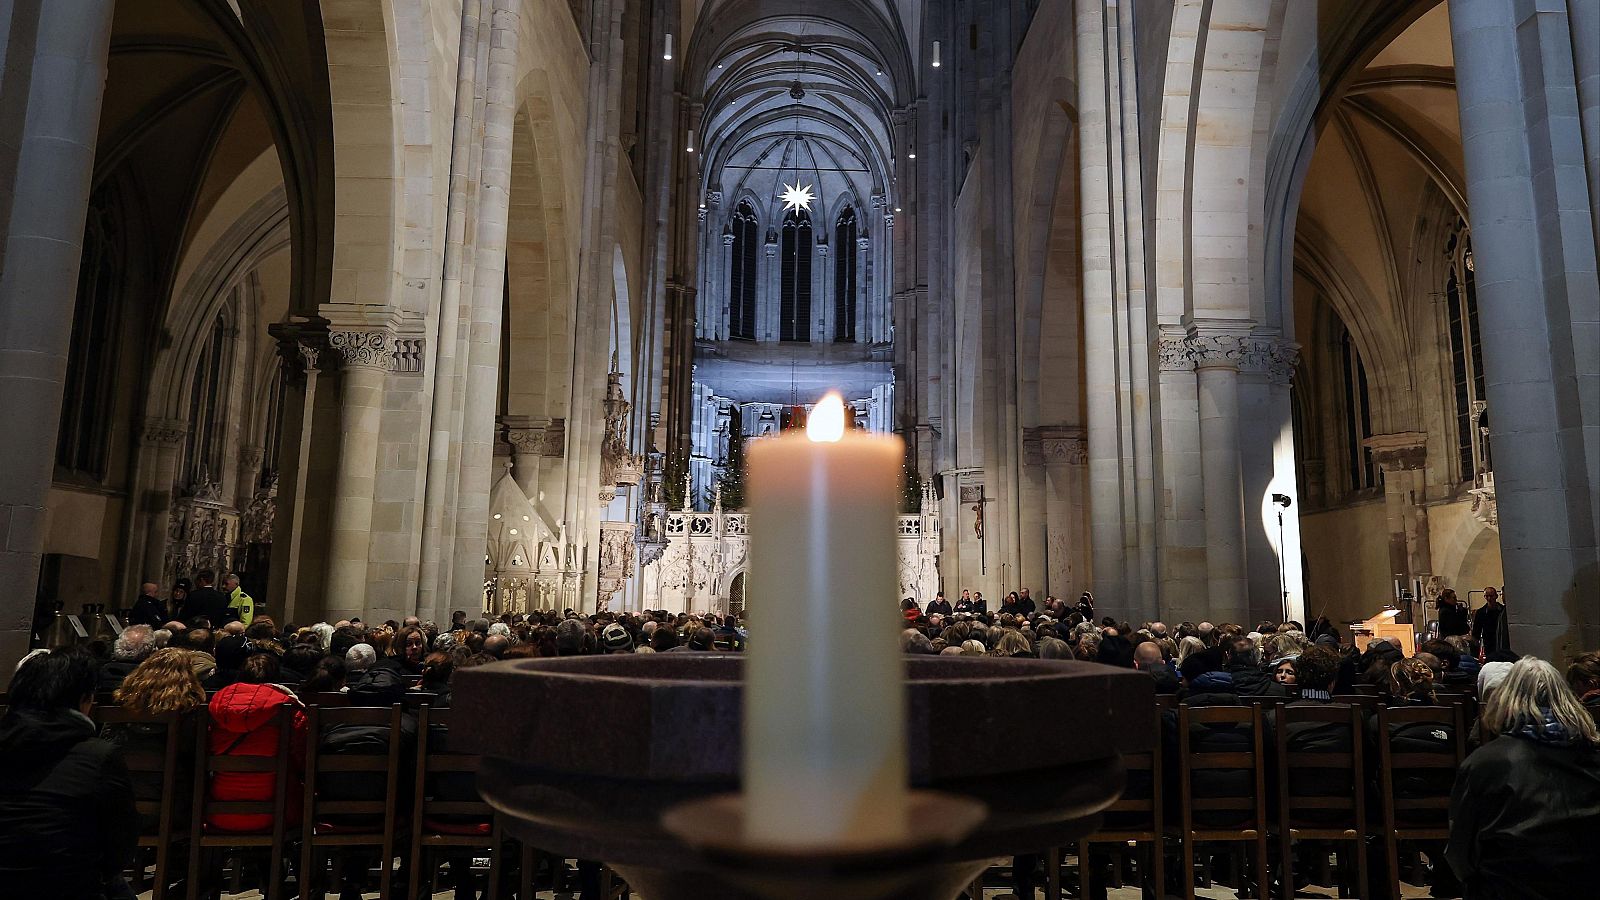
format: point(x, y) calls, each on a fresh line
point(242, 724)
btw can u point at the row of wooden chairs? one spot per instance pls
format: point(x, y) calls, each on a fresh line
point(1299, 815)
point(434, 826)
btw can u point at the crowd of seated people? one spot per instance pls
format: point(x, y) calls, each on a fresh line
point(1534, 732)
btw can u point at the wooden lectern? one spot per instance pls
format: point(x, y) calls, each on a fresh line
point(1383, 625)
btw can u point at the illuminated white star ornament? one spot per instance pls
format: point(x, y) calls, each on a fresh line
point(797, 197)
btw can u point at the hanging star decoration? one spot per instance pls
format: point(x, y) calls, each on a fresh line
point(797, 197)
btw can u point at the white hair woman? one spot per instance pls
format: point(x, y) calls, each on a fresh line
point(1525, 811)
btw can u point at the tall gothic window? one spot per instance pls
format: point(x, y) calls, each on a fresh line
point(1357, 416)
point(1466, 352)
point(742, 275)
point(794, 305)
point(83, 440)
point(844, 276)
point(208, 398)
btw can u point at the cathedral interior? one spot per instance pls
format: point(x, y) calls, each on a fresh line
point(1219, 309)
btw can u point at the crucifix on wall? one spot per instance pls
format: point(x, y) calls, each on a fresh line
point(972, 496)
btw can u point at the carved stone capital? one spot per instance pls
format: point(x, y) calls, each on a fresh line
point(727, 239)
point(164, 434)
point(1172, 351)
point(863, 242)
point(1217, 351)
point(1055, 445)
point(1269, 356)
point(363, 348)
point(1400, 452)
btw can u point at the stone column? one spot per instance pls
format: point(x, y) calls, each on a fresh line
point(1539, 311)
point(55, 56)
point(1065, 542)
point(1181, 557)
point(770, 302)
point(821, 324)
point(488, 298)
point(295, 557)
point(1585, 16)
point(723, 300)
point(365, 357)
point(162, 439)
point(866, 321)
point(1217, 377)
point(1402, 457)
point(526, 436)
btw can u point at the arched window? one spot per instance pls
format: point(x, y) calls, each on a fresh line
point(844, 276)
point(208, 398)
point(1357, 416)
point(83, 439)
point(1466, 353)
point(794, 306)
point(742, 274)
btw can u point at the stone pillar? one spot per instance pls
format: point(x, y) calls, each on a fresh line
point(722, 305)
point(821, 324)
point(162, 439)
point(1181, 556)
point(1065, 541)
point(526, 435)
point(1267, 459)
point(365, 357)
point(1539, 311)
point(1403, 457)
point(1585, 16)
point(488, 299)
point(301, 502)
point(55, 56)
point(1217, 377)
point(866, 321)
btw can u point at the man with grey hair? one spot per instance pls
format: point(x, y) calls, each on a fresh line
point(359, 658)
point(241, 605)
point(131, 647)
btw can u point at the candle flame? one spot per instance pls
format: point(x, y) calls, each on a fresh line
point(827, 419)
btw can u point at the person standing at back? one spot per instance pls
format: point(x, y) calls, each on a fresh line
point(1489, 625)
point(148, 607)
point(241, 606)
point(1453, 615)
point(205, 600)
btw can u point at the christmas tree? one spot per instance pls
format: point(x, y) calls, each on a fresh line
point(732, 480)
point(910, 485)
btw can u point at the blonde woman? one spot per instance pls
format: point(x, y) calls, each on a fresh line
point(1525, 811)
point(165, 682)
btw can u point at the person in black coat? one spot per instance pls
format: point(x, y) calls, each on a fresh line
point(1489, 626)
point(1208, 685)
point(148, 608)
point(1249, 679)
point(1525, 808)
point(206, 601)
point(1454, 617)
point(940, 605)
point(65, 797)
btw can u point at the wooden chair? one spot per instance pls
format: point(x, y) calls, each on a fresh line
point(430, 831)
point(1437, 826)
point(275, 839)
point(177, 746)
point(328, 698)
point(1344, 815)
point(1253, 827)
point(1146, 827)
point(379, 813)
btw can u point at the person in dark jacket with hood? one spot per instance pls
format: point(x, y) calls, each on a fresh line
point(70, 824)
point(1249, 679)
point(1525, 808)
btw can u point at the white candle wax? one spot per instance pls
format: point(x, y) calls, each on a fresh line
point(824, 709)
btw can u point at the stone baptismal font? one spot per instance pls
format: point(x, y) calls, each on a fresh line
point(821, 762)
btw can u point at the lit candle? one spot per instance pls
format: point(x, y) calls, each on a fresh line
point(824, 711)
